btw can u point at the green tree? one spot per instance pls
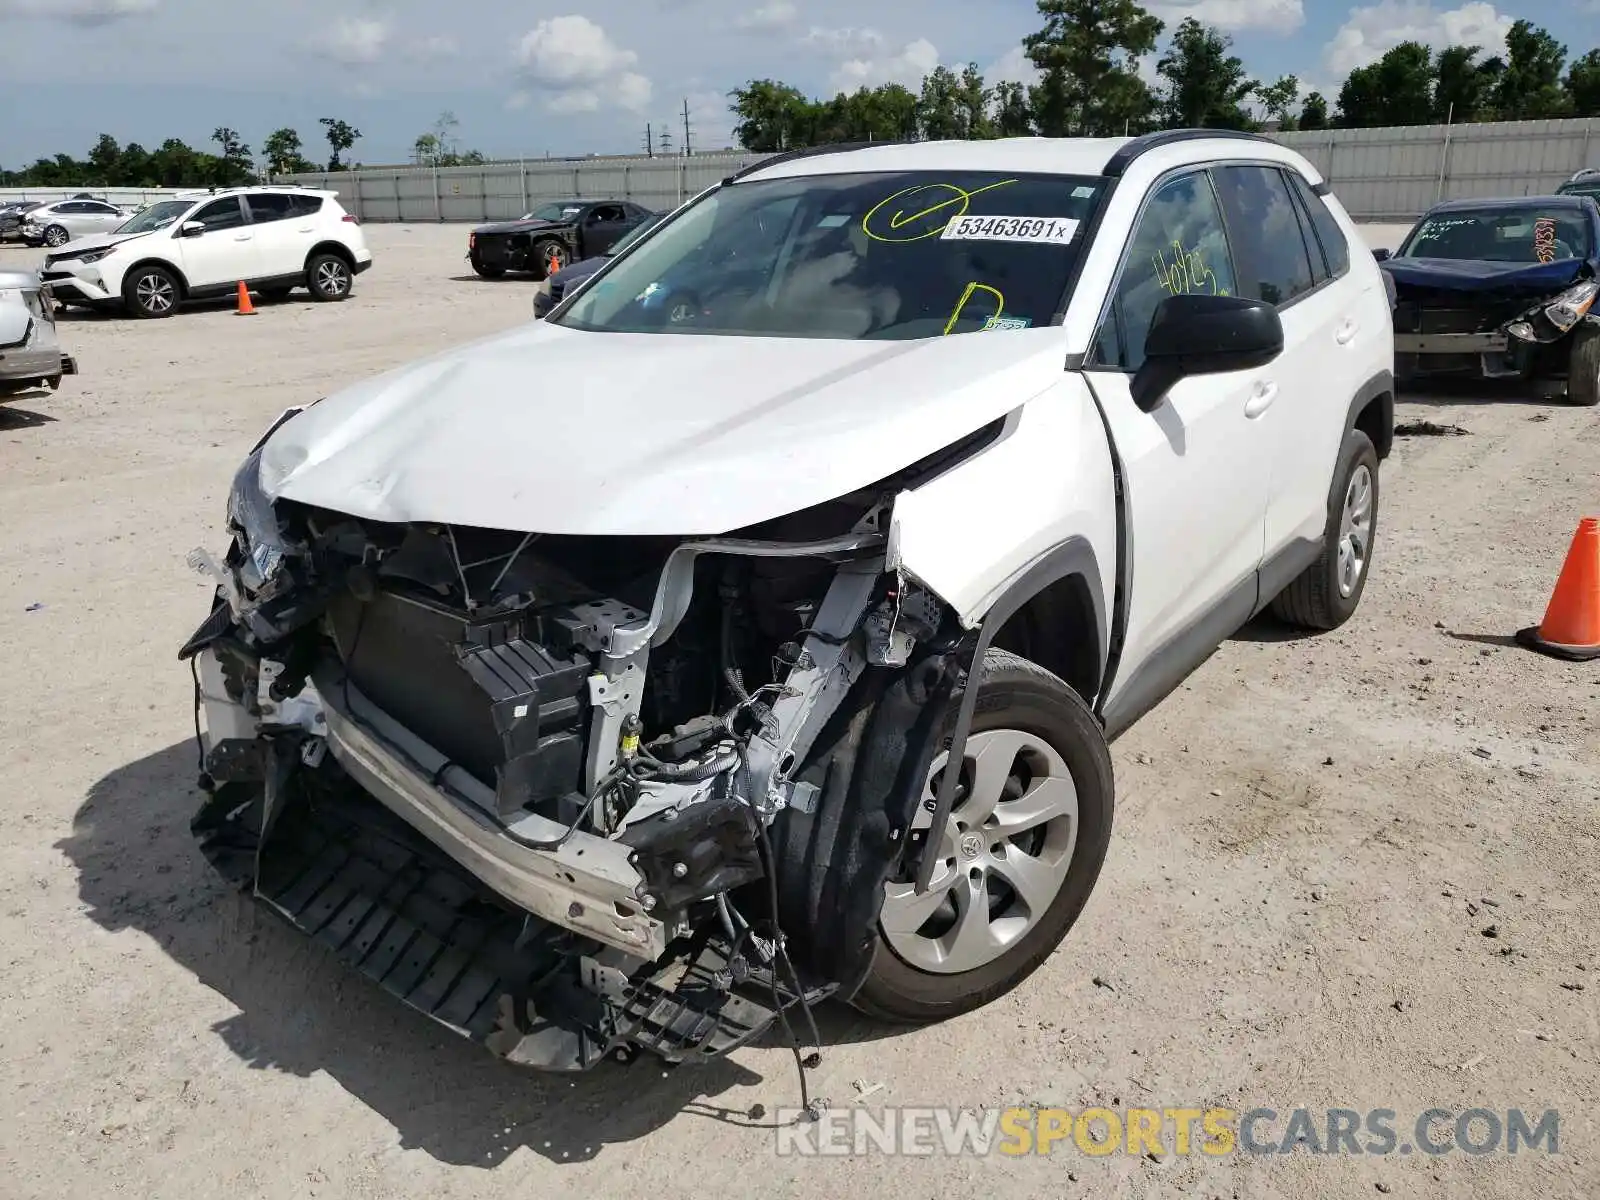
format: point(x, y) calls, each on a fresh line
point(1089, 52)
point(1464, 87)
point(105, 160)
point(1278, 101)
point(236, 164)
point(1395, 90)
point(1530, 86)
point(1314, 112)
point(285, 154)
point(973, 97)
point(939, 109)
point(1012, 115)
point(771, 116)
point(341, 137)
point(1205, 84)
point(1583, 85)
point(426, 149)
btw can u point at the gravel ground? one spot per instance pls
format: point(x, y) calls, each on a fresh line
point(1315, 839)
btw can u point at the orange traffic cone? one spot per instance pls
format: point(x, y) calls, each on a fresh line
point(246, 309)
point(1571, 627)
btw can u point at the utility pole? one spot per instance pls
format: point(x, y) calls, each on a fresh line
point(649, 141)
point(688, 146)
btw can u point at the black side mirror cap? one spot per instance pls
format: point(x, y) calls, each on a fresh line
point(1204, 335)
point(1383, 255)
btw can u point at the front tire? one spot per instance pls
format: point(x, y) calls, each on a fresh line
point(151, 292)
point(1583, 368)
point(56, 235)
point(1327, 594)
point(486, 270)
point(329, 278)
point(1018, 859)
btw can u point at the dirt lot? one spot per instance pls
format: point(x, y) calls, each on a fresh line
point(1315, 839)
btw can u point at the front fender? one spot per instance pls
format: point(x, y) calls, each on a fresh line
point(972, 534)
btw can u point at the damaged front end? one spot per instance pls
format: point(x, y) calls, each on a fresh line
point(572, 796)
point(1515, 327)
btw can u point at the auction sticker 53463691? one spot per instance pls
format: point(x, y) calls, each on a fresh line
point(1053, 230)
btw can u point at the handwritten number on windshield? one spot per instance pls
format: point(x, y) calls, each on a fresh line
point(972, 290)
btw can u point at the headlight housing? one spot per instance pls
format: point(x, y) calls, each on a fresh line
point(254, 522)
point(94, 256)
point(1567, 309)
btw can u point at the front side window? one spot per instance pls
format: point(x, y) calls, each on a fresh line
point(221, 214)
point(1180, 247)
point(1521, 235)
point(554, 212)
point(1268, 241)
point(891, 256)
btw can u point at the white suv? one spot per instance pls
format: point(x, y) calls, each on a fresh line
point(770, 647)
point(206, 244)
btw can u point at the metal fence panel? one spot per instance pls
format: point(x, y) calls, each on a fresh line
point(109, 195)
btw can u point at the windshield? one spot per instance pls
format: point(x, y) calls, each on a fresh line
point(157, 216)
point(633, 235)
point(1523, 235)
point(557, 211)
point(874, 256)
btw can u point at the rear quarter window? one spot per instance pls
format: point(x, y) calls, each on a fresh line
point(1335, 249)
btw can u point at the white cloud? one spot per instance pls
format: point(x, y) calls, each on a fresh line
point(77, 12)
point(1274, 16)
point(1014, 66)
point(434, 47)
point(1373, 31)
point(354, 40)
point(579, 68)
point(848, 43)
point(908, 67)
point(769, 18)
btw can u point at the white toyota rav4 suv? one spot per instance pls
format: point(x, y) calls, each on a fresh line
point(752, 629)
point(274, 239)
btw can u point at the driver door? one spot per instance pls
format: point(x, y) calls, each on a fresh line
point(226, 253)
point(603, 225)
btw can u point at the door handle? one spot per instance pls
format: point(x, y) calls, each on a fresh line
point(241, 237)
point(1260, 400)
point(1347, 333)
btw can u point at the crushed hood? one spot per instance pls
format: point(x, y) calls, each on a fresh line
point(521, 226)
point(552, 430)
point(1472, 276)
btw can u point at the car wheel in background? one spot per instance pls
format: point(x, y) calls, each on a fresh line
point(1583, 368)
point(1017, 858)
point(1326, 595)
point(55, 235)
point(486, 270)
point(551, 256)
point(329, 277)
point(151, 292)
point(275, 294)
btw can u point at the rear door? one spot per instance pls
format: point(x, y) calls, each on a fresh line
point(225, 253)
point(1283, 263)
point(280, 242)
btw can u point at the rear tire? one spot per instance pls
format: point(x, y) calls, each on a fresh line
point(1583, 368)
point(1326, 595)
point(329, 278)
point(1041, 736)
point(549, 256)
point(151, 292)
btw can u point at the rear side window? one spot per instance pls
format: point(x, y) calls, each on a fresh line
point(304, 206)
point(1179, 247)
point(269, 206)
point(1273, 259)
point(1335, 249)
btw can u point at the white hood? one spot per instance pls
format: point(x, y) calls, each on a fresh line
point(93, 241)
point(551, 430)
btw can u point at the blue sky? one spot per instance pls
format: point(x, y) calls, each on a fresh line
point(554, 76)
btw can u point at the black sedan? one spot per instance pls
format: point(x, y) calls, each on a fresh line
point(551, 237)
point(1501, 289)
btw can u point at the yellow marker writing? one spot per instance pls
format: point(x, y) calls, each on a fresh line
point(952, 195)
point(973, 289)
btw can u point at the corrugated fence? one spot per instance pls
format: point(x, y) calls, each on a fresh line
point(1379, 174)
point(109, 195)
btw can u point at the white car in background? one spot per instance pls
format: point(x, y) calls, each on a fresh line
point(30, 355)
point(57, 224)
point(273, 239)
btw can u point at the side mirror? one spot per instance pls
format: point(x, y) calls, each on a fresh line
point(191, 229)
point(1204, 335)
point(1383, 255)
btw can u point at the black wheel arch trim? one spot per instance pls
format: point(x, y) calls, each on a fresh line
point(1380, 388)
point(1073, 557)
point(338, 249)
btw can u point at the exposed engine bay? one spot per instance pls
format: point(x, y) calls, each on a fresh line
point(573, 796)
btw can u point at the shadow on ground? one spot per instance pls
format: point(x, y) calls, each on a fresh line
point(301, 1012)
point(12, 416)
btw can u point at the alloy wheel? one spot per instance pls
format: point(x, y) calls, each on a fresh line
point(333, 277)
point(155, 294)
point(1355, 530)
point(1001, 858)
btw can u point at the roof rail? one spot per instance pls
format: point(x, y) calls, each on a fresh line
point(1144, 143)
point(806, 152)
